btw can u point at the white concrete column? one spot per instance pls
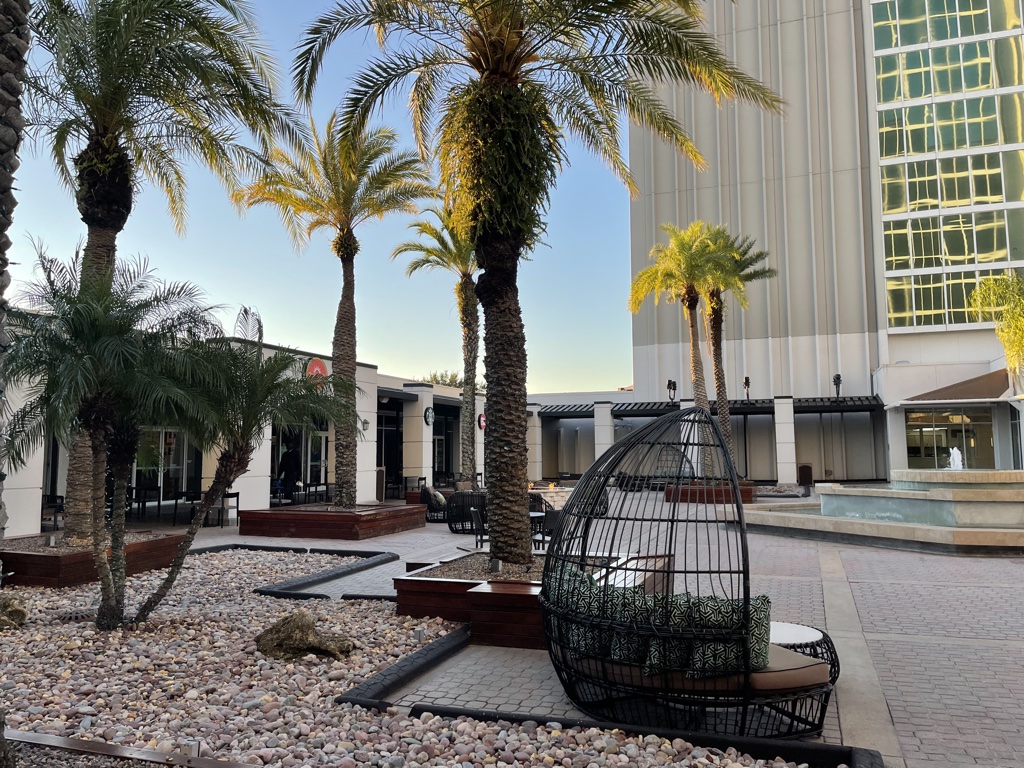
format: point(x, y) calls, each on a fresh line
point(253, 487)
point(479, 432)
point(23, 495)
point(534, 454)
point(604, 428)
point(896, 428)
point(785, 440)
point(418, 436)
point(366, 445)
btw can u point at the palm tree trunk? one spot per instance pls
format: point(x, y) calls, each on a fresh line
point(231, 465)
point(122, 446)
point(343, 352)
point(700, 389)
point(78, 497)
point(106, 614)
point(505, 452)
point(104, 196)
point(715, 323)
point(470, 320)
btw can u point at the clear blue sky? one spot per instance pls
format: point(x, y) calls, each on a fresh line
point(573, 291)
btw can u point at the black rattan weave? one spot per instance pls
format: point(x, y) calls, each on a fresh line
point(437, 512)
point(646, 595)
point(459, 504)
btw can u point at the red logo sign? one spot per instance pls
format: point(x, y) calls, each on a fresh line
point(481, 421)
point(316, 367)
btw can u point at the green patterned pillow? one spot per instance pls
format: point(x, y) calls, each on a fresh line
point(636, 609)
point(717, 658)
point(670, 653)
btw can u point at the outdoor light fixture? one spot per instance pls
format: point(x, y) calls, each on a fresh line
point(837, 382)
point(366, 424)
point(670, 385)
point(746, 386)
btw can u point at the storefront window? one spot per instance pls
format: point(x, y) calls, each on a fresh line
point(932, 433)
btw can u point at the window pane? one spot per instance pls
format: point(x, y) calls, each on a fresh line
point(956, 181)
point(887, 70)
point(896, 235)
point(927, 242)
point(900, 309)
point(951, 125)
point(929, 308)
point(1009, 61)
point(890, 133)
point(946, 69)
point(982, 125)
point(988, 186)
point(1015, 232)
point(973, 17)
point(958, 239)
point(1005, 15)
point(1013, 174)
point(959, 287)
point(913, 23)
point(977, 66)
point(894, 189)
point(922, 185)
point(1011, 117)
point(920, 134)
point(942, 19)
point(917, 74)
point(990, 230)
point(884, 15)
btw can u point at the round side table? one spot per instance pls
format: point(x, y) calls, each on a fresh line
point(810, 642)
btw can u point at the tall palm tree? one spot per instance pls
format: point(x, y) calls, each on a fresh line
point(131, 89)
point(501, 85)
point(249, 393)
point(745, 268)
point(336, 181)
point(695, 261)
point(450, 250)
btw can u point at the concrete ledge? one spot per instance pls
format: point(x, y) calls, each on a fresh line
point(81, 746)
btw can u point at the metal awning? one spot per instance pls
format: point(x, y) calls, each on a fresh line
point(855, 404)
point(649, 410)
point(987, 389)
point(447, 400)
point(396, 394)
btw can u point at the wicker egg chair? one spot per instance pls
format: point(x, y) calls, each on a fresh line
point(646, 595)
point(460, 519)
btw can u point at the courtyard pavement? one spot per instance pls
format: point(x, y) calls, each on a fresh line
point(931, 646)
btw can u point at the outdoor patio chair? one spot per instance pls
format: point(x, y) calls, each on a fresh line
point(646, 599)
point(437, 507)
point(191, 498)
point(479, 526)
point(53, 507)
point(459, 503)
point(542, 538)
point(222, 510)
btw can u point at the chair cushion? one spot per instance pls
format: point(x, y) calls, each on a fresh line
point(712, 658)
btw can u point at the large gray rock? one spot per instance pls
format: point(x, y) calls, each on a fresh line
point(12, 612)
point(296, 635)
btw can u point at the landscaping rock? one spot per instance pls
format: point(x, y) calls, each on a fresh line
point(12, 612)
point(296, 635)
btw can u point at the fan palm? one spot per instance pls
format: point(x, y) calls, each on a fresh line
point(129, 89)
point(745, 268)
point(1000, 299)
point(446, 248)
point(336, 181)
point(500, 85)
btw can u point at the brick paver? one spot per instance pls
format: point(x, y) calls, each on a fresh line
point(866, 564)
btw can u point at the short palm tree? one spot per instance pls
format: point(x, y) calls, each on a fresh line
point(336, 181)
point(130, 89)
point(448, 249)
point(501, 86)
point(1000, 299)
point(695, 261)
point(744, 268)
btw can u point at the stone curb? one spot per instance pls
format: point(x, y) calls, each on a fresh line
point(815, 755)
point(81, 746)
point(369, 693)
point(881, 542)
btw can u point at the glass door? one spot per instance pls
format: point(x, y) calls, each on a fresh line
point(316, 465)
point(172, 479)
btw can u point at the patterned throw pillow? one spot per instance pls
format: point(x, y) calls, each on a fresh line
point(666, 654)
point(718, 658)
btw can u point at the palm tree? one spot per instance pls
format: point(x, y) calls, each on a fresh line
point(500, 86)
point(1000, 299)
point(451, 251)
point(695, 261)
point(251, 393)
point(94, 361)
point(744, 268)
point(133, 88)
point(336, 181)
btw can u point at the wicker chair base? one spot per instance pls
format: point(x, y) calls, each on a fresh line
point(437, 515)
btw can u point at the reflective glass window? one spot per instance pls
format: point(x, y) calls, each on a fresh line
point(1015, 232)
point(899, 300)
point(958, 239)
point(942, 21)
point(977, 66)
point(887, 77)
point(946, 69)
point(926, 237)
point(929, 307)
point(990, 231)
point(950, 125)
point(1005, 15)
point(896, 235)
point(1013, 175)
point(894, 189)
point(973, 17)
point(917, 74)
point(982, 123)
point(922, 185)
point(959, 287)
point(986, 179)
point(955, 174)
point(884, 16)
point(1009, 61)
point(1011, 117)
point(920, 129)
point(890, 133)
point(913, 22)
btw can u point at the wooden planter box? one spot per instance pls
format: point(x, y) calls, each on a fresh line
point(423, 596)
point(311, 523)
point(707, 494)
point(46, 569)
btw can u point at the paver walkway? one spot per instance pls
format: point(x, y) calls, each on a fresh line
point(931, 646)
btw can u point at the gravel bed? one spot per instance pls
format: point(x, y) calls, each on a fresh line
point(478, 568)
point(32, 756)
point(38, 543)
